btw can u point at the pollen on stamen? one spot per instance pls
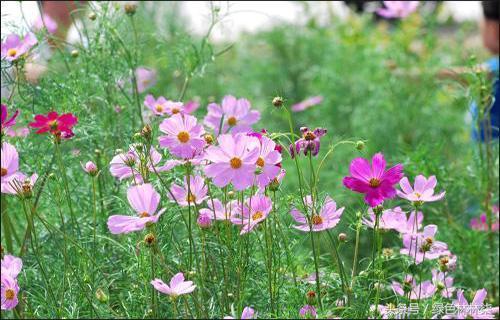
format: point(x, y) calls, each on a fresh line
point(232, 121)
point(309, 136)
point(235, 163)
point(374, 182)
point(175, 111)
point(10, 294)
point(144, 214)
point(4, 172)
point(191, 198)
point(257, 215)
point(159, 108)
point(183, 136)
point(12, 52)
point(316, 219)
point(260, 162)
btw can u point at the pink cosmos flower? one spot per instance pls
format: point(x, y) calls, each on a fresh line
point(21, 132)
point(310, 142)
point(146, 78)
point(9, 162)
point(248, 313)
point(306, 104)
point(308, 312)
point(254, 211)
point(126, 165)
point(11, 266)
point(475, 309)
point(423, 192)
point(234, 115)
point(13, 47)
point(184, 137)
point(423, 245)
point(397, 9)
point(144, 200)
point(267, 162)
point(423, 291)
point(9, 291)
point(58, 125)
point(20, 184)
point(197, 194)
point(327, 218)
point(481, 224)
point(204, 221)
point(443, 283)
point(162, 106)
point(409, 225)
point(389, 219)
point(7, 123)
point(45, 21)
point(220, 212)
point(374, 181)
point(90, 167)
point(233, 161)
point(191, 106)
point(177, 286)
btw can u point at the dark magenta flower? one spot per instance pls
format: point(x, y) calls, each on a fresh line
point(373, 180)
point(7, 123)
point(58, 125)
point(308, 143)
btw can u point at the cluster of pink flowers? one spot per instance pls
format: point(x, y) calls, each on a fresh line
point(481, 223)
point(10, 268)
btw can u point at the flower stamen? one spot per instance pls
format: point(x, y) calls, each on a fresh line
point(183, 136)
point(236, 163)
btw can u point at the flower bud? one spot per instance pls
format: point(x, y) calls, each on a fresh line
point(137, 136)
point(274, 185)
point(101, 296)
point(387, 252)
point(209, 139)
point(27, 189)
point(311, 297)
point(440, 286)
point(92, 16)
point(277, 102)
point(130, 9)
point(149, 239)
point(360, 145)
point(230, 194)
point(204, 221)
point(146, 132)
point(342, 237)
point(75, 53)
point(91, 168)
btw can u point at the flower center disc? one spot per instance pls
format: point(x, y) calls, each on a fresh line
point(175, 111)
point(144, 214)
point(53, 124)
point(309, 136)
point(232, 121)
point(183, 136)
point(11, 52)
point(159, 108)
point(260, 162)
point(235, 163)
point(316, 220)
point(374, 182)
point(9, 294)
point(257, 215)
point(191, 198)
point(4, 172)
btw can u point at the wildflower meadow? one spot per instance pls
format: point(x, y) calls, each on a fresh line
point(319, 170)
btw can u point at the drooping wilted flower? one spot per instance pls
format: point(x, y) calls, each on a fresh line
point(309, 143)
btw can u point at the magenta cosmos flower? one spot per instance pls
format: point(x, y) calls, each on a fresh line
point(233, 161)
point(373, 180)
point(389, 219)
point(254, 211)
point(13, 47)
point(423, 191)
point(20, 184)
point(397, 9)
point(327, 218)
point(218, 211)
point(184, 137)
point(9, 162)
point(306, 104)
point(443, 283)
point(196, 194)
point(267, 162)
point(248, 313)
point(7, 123)
point(424, 245)
point(177, 286)
point(308, 312)
point(58, 125)
point(162, 106)
point(423, 291)
point(308, 143)
point(126, 165)
point(475, 309)
point(144, 200)
point(233, 115)
point(45, 22)
point(481, 223)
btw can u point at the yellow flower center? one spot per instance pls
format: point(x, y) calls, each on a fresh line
point(52, 124)
point(429, 240)
point(175, 111)
point(232, 121)
point(316, 219)
point(144, 214)
point(235, 163)
point(257, 215)
point(4, 172)
point(309, 135)
point(12, 52)
point(418, 195)
point(159, 108)
point(10, 294)
point(191, 197)
point(260, 162)
point(374, 182)
point(183, 136)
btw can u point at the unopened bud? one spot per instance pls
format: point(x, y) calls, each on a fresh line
point(360, 145)
point(27, 189)
point(146, 132)
point(204, 221)
point(277, 102)
point(92, 16)
point(342, 237)
point(230, 194)
point(387, 252)
point(130, 8)
point(75, 53)
point(150, 239)
point(101, 296)
point(274, 185)
point(311, 297)
point(91, 168)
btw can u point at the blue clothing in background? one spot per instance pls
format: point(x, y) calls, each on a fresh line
point(492, 65)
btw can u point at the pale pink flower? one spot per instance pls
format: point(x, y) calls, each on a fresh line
point(424, 245)
point(443, 283)
point(232, 161)
point(9, 162)
point(177, 286)
point(327, 218)
point(9, 291)
point(267, 162)
point(248, 313)
point(144, 200)
point(191, 106)
point(308, 312)
point(21, 132)
point(146, 78)
point(220, 212)
point(11, 266)
point(20, 184)
point(423, 191)
point(421, 291)
point(307, 103)
point(14, 48)
point(389, 219)
point(234, 115)
point(194, 195)
point(475, 309)
point(45, 22)
point(397, 9)
point(90, 167)
point(254, 211)
point(184, 137)
point(162, 106)
point(410, 225)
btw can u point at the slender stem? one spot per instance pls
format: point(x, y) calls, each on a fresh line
point(94, 246)
point(6, 224)
point(153, 290)
point(356, 252)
